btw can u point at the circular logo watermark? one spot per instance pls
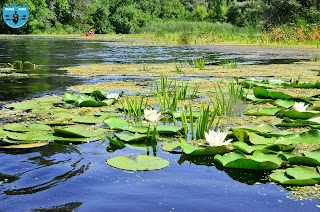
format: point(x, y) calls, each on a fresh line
point(15, 16)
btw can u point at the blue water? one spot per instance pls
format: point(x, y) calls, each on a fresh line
point(75, 177)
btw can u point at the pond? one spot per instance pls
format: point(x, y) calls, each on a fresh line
point(61, 177)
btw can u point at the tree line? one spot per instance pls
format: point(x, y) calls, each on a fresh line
point(129, 16)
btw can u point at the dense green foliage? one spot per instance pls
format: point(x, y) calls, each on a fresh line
point(129, 16)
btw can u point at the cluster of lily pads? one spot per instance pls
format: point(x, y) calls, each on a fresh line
point(262, 147)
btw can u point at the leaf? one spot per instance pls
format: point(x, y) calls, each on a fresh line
point(263, 93)
point(262, 112)
point(299, 175)
point(116, 123)
point(91, 119)
point(131, 137)
point(15, 127)
point(307, 158)
point(244, 147)
point(281, 178)
point(140, 163)
point(25, 146)
point(258, 161)
point(257, 139)
point(298, 115)
point(168, 130)
point(284, 103)
point(172, 147)
point(196, 150)
point(70, 97)
point(79, 132)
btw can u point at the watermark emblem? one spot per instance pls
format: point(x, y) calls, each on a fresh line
point(15, 16)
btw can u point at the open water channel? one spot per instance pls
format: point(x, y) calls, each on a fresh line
point(75, 177)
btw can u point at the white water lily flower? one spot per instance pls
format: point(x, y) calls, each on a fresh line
point(151, 115)
point(300, 106)
point(217, 138)
point(112, 96)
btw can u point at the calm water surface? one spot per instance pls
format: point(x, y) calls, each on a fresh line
point(75, 177)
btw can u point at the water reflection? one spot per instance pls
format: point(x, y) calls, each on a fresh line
point(72, 206)
point(39, 169)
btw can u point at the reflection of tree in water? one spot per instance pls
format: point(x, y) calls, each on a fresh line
point(249, 177)
point(72, 206)
point(48, 159)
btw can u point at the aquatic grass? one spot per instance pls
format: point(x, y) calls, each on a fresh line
point(135, 106)
point(205, 121)
point(228, 104)
point(178, 68)
point(199, 63)
point(167, 102)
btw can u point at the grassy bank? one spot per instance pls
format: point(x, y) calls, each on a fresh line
point(195, 32)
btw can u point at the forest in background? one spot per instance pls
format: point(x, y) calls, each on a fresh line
point(151, 16)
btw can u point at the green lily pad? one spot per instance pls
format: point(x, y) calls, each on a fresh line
point(70, 97)
point(258, 160)
point(172, 147)
point(15, 127)
point(3, 133)
point(308, 137)
point(131, 137)
point(263, 93)
point(25, 146)
point(78, 140)
point(168, 130)
point(298, 115)
point(307, 158)
point(29, 105)
point(114, 141)
point(262, 112)
point(299, 175)
point(244, 147)
point(198, 150)
point(257, 139)
point(140, 163)
point(89, 119)
point(139, 129)
point(284, 103)
point(79, 132)
point(116, 123)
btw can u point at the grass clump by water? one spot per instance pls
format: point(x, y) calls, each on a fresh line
point(199, 63)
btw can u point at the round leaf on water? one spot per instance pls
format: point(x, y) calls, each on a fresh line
point(89, 119)
point(307, 158)
point(168, 130)
point(262, 112)
point(79, 132)
point(257, 139)
point(172, 147)
point(197, 150)
point(139, 129)
point(25, 146)
point(284, 103)
point(244, 147)
point(131, 137)
point(282, 178)
point(140, 163)
point(116, 123)
point(70, 97)
point(258, 161)
point(298, 115)
point(308, 137)
point(15, 127)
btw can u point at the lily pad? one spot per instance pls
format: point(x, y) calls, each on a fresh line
point(25, 146)
point(262, 112)
point(140, 163)
point(198, 150)
point(116, 123)
point(257, 139)
point(306, 158)
point(131, 137)
point(258, 160)
point(168, 130)
point(79, 132)
point(173, 147)
point(299, 175)
point(70, 97)
point(89, 119)
point(298, 115)
point(284, 103)
point(263, 93)
point(244, 147)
